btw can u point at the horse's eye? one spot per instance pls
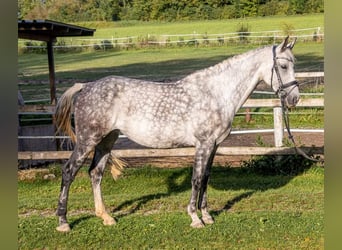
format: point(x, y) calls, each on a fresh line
point(283, 66)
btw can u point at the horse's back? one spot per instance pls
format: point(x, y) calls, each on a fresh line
point(152, 114)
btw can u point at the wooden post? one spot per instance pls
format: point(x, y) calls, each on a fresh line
point(278, 127)
point(52, 80)
point(248, 115)
point(53, 98)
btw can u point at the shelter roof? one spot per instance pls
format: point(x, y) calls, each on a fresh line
point(47, 30)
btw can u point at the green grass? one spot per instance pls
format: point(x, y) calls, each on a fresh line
point(153, 64)
point(301, 118)
point(157, 65)
point(134, 28)
point(251, 211)
point(166, 63)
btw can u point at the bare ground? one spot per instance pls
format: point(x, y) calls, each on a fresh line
point(251, 140)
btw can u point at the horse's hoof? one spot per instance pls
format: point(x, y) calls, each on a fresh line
point(197, 224)
point(63, 227)
point(208, 220)
point(109, 221)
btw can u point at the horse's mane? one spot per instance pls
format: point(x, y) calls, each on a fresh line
point(217, 68)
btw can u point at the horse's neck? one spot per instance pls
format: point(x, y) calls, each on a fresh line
point(232, 81)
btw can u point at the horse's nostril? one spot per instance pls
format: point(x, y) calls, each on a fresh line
point(292, 101)
point(295, 100)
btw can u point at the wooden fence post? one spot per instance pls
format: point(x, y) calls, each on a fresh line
point(278, 127)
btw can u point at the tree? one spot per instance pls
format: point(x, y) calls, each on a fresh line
point(32, 9)
point(165, 10)
point(249, 7)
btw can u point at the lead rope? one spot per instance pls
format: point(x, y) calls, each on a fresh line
point(287, 125)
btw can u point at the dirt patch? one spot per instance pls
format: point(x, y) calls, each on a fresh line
point(36, 173)
point(234, 140)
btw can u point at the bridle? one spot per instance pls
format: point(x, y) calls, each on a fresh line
point(282, 95)
point(282, 86)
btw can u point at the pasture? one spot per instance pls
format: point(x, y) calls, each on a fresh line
point(252, 210)
point(122, 29)
point(164, 64)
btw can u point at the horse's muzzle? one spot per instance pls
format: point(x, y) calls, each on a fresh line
point(292, 100)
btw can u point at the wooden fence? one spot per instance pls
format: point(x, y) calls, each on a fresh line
point(178, 152)
point(193, 39)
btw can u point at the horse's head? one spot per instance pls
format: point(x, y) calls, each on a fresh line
point(282, 77)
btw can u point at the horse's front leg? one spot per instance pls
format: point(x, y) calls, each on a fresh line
point(199, 182)
point(202, 198)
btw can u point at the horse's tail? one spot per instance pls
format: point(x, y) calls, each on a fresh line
point(64, 110)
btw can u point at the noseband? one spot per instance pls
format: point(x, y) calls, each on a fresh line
point(282, 86)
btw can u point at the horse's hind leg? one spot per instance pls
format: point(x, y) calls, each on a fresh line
point(101, 155)
point(69, 171)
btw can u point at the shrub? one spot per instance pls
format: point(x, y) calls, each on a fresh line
point(220, 40)
point(278, 165)
point(243, 31)
point(206, 39)
point(147, 40)
point(192, 42)
point(180, 42)
point(287, 29)
point(106, 44)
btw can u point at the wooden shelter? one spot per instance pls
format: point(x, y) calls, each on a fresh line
point(48, 31)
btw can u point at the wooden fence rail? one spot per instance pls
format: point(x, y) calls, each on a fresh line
point(250, 103)
point(174, 152)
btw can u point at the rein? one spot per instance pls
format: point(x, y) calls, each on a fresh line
point(287, 125)
point(282, 95)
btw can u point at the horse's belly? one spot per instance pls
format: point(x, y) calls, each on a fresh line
point(166, 137)
point(159, 143)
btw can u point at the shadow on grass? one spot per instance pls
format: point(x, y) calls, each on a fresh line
point(74, 223)
point(309, 62)
point(169, 70)
point(259, 174)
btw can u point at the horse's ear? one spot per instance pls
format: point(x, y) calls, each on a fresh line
point(291, 45)
point(284, 44)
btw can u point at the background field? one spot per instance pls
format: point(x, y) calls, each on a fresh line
point(158, 64)
point(162, 63)
point(135, 28)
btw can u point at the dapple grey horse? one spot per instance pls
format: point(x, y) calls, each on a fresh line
point(197, 110)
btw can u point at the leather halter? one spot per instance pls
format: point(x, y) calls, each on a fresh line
point(282, 86)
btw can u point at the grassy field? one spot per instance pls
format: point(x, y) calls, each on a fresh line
point(82, 65)
point(252, 210)
point(134, 28)
point(168, 64)
point(159, 64)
